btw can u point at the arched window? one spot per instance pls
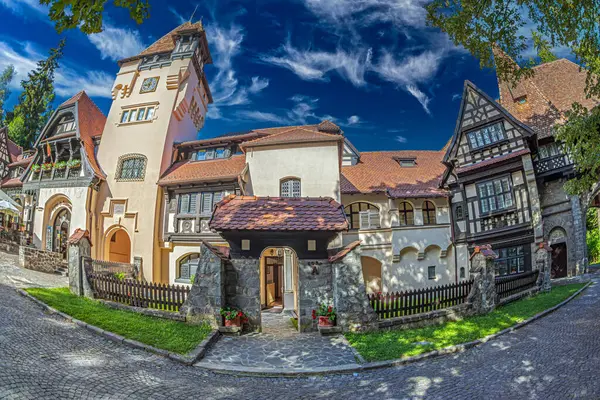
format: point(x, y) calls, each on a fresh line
point(428, 213)
point(407, 215)
point(132, 167)
point(290, 187)
point(362, 215)
point(188, 266)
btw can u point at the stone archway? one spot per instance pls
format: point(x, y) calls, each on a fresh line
point(60, 232)
point(117, 246)
point(56, 227)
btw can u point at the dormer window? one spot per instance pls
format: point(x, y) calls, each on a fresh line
point(521, 100)
point(65, 124)
point(486, 136)
point(407, 162)
point(184, 44)
point(211, 154)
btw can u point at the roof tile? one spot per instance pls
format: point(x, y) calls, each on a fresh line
point(204, 171)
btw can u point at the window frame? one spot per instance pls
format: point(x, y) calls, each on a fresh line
point(292, 189)
point(475, 146)
point(130, 115)
point(429, 275)
point(504, 256)
point(120, 168)
point(187, 260)
point(426, 210)
point(403, 214)
point(506, 194)
point(215, 197)
point(350, 213)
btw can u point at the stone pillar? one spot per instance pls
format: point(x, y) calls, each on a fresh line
point(314, 287)
point(79, 248)
point(205, 300)
point(543, 264)
point(354, 312)
point(534, 198)
point(581, 261)
point(483, 294)
point(242, 288)
point(138, 265)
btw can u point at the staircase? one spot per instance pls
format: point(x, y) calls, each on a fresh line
point(62, 270)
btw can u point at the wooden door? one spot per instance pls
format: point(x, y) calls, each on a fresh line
point(558, 268)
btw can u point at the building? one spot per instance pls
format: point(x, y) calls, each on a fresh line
point(283, 199)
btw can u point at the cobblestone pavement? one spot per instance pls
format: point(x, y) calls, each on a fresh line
point(280, 346)
point(43, 357)
point(11, 274)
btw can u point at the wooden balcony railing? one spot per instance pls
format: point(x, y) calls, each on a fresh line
point(552, 163)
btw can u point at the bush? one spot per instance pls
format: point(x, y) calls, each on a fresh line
point(593, 245)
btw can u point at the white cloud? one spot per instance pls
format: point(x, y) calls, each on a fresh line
point(315, 65)
point(401, 139)
point(353, 120)
point(297, 98)
point(180, 18)
point(456, 96)
point(255, 115)
point(258, 84)
point(69, 78)
point(420, 96)
point(22, 6)
point(117, 43)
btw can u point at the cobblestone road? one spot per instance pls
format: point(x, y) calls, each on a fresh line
point(43, 357)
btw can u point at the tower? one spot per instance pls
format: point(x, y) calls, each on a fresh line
point(160, 97)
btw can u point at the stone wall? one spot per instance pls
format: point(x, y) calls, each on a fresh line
point(9, 247)
point(314, 287)
point(242, 288)
point(205, 300)
point(354, 312)
point(39, 260)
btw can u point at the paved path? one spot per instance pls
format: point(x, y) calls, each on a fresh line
point(43, 357)
point(279, 346)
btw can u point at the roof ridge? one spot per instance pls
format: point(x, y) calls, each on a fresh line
point(272, 135)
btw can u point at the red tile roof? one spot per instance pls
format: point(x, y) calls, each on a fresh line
point(548, 96)
point(91, 124)
point(14, 151)
point(278, 214)
point(11, 182)
point(293, 135)
point(220, 251)
point(204, 171)
point(492, 161)
point(343, 252)
point(79, 235)
point(380, 172)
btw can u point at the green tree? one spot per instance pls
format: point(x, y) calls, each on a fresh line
point(87, 15)
point(543, 48)
point(35, 101)
point(5, 78)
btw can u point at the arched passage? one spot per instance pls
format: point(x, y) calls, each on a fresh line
point(371, 273)
point(558, 242)
point(61, 230)
point(118, 246)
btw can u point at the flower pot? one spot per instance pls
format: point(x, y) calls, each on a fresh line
point(325, 321)
point(233, 322)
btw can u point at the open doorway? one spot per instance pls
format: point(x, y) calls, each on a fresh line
point(278, 289)
point(273, 282)
point(118, 246)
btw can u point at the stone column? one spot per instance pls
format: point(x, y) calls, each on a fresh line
point(578, 212)
point(534, 199)
point(242, 288)
point(79, 248)
point(543, 264)
point(483, 294)
point(354, 312)
point(138, 264)
point(205, 300)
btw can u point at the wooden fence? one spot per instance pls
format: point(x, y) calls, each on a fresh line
point(137, 293)
point(400, 304)
point(512, 284)
point(110, 267)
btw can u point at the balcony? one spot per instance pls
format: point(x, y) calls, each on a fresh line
point(499, 221)
point(553, 164)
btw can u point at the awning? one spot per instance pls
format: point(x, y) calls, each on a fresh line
point(8, 205)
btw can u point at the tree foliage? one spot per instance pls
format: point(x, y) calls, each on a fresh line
point(5, 78)
point(543, 48)
point(87, 15)
point(35, 101)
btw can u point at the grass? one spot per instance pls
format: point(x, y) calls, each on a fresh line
point(388, 345)
point(174, 336)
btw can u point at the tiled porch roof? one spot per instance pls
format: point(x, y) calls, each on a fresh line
point(245, 213)
point(204, 171)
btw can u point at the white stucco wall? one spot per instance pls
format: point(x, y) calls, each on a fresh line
point(178, 251)
point(412, 273)
point(317, 166)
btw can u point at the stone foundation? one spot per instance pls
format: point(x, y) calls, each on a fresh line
point(39, 260)
point(314, 287)
point(242, 288)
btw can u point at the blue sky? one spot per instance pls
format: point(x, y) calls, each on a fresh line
point(371, 66)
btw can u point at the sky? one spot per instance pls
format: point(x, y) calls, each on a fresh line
point(371, 66)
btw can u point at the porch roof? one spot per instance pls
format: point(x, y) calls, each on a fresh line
point(252, 213)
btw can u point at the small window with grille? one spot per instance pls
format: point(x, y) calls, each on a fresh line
point(290, 187)
point(131, 168)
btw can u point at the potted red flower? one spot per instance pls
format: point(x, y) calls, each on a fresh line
point(233, 317)
point(326, 314)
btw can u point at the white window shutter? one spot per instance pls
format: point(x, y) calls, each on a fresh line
point(364, 219)
point(373, 219)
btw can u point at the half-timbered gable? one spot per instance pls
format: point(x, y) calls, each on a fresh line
point(4, 153)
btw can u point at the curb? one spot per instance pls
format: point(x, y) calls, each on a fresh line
point(355, 368)
point(186, 359)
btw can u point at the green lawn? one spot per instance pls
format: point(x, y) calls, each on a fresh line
point(174, 336)
point(388, 345)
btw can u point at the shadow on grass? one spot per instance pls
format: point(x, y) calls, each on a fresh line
point(392, 344)
point(174, 336)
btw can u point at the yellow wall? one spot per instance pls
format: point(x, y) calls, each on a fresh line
point(119, 247)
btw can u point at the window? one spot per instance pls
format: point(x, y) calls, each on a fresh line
point(495, 195)
point(65, 124)
point(188, 202)
point(290, 187)
point(550, 150)
point(211, 154)
point(462, 272)
point(137, 114)
point(407, 215)
point(511, 260)
point(188, 266)
point(486, 136)
point(428, 213)
point(458, 212)
point(431, 272)
point(132, 168)
point(407, 162)
point(362, 215)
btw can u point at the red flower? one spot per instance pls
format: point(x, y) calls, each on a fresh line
point(240, 314)
point(314, 314)
point(329, 309)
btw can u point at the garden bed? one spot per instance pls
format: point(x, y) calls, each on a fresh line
point(394, 344)
point(173, 336)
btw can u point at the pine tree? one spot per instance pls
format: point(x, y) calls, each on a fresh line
point(5, 78)
point(35, 102)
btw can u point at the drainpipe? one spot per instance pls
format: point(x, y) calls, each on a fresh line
point(452, 235)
